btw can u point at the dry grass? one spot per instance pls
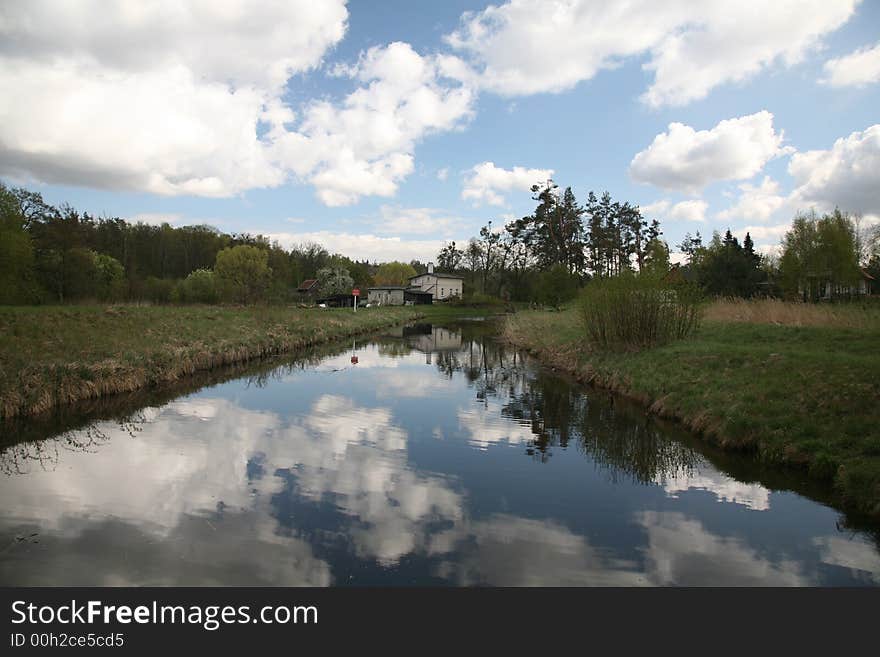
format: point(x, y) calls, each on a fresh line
point(788, 313)
point(53, 356)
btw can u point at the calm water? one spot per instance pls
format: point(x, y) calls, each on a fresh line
point(441, 457)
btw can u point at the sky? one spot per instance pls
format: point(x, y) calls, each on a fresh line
point(383, 129)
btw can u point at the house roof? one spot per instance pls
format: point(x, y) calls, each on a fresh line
point(307, 284)
point(437, 275)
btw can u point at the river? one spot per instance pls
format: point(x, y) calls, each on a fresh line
point(441, 457)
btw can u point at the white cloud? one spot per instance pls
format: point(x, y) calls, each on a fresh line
point(681, 550)
point(687, 160)
point(690, 210)
point(416, 221)
point(726, 489)
point(533, 46)
point(157, 218)
point(443, 174)
point(693, 210)
point(763, 232)
point(485, 182)
point(857, 69)
point(360, 246)
point(173, 99)
point(161, 98)
point(756, 202)
point(364, 146)
point(847, 175)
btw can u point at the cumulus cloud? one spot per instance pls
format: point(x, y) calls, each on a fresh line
point(164, 99)
point(756, 202)
point(690, 210)
point(857, 69)
point(531, 46)
point(763, 232)
point(188, 100)
point(684, 159)
point(376, 248)
point(486, 182)
point(847, 175)
point(416, 221)
point(365, 144)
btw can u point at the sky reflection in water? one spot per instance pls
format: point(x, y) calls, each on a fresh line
point(440, 458)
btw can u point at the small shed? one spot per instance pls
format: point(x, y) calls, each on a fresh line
point(337, 301)
point(416, 296)
point(387, 295)
point(308, 287)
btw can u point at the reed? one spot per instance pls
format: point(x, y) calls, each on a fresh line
point(788, 313)
point(637, 312)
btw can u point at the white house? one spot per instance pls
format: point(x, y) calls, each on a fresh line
point(441, 286)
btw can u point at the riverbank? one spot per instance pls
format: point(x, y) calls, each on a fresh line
point(52, 356)
point(799, 396)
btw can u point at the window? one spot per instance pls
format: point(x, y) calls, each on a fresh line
point(442, 291)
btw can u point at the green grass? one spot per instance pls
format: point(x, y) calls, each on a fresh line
point(806, 396)
point(54, 355)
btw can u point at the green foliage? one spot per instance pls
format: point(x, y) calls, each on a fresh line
point(334, 280)
point(556, 285)
point(158, 290)
point(819, 250)
point(394, 273)
point(199, 287)
point(17, 284)
point(637, 312)
point(243, 273)
point(729, 269)
point(109, 276)
point(450, 258)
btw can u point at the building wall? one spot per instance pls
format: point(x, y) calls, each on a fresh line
point(385, 297)
point(438, 285)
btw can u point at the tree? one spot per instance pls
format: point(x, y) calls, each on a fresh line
point(17, 283)
point(110, 277)
point(450, 258)
point(394, 273)
point(557, 285)
point(655, 259)
point(243, 273)
point(728, 269)
point(199, 287)
point(818, 252)
point(334, 280)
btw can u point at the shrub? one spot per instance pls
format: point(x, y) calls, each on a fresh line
point(556, 286)
point(475, 300)
point(198, 287)
point(158, 290)
point(243, 273)
point(636, 312)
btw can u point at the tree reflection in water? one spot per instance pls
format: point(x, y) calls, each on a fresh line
point(617, 437)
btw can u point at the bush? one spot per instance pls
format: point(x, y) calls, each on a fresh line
point(158, 290)
point(243, 273)
point(475, 300)
point(556, 286)
point(198, 287)
point(636, 312)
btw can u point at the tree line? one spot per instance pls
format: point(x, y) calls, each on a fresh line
point(58, 254)
point(549, 254)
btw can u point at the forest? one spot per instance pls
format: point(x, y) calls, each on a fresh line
point(62, 255)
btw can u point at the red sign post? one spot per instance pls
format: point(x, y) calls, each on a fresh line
point(356, 293)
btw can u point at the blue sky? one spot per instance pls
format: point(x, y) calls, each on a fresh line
point(382, 129)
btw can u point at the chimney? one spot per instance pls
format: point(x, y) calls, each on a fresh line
point(430, 267)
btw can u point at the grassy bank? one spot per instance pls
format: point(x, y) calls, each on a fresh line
point(804, 395)
point(52, 356)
